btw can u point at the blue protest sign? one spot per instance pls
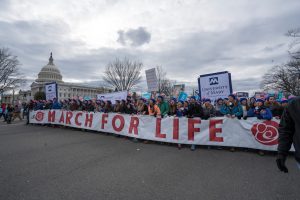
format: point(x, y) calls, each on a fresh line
point(182, 96)
point(146, 95)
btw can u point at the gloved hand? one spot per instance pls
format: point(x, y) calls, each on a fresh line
point(281, 163)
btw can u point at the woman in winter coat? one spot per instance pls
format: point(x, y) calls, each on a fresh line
point(153, 109)
point(142, 108)
point(232, 108)
point(208, 109)
point(172, 107)
point(260, 111)
point(218, 107)
point(245, 107)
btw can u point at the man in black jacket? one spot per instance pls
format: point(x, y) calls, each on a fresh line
point(289, 133)
point(194, 109)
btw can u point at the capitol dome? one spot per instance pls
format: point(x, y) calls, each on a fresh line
point(49, 73)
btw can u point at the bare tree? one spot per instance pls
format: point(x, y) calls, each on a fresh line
point(284, 77)
point(164, 84)
point(123, 74)
point(294, 48)
point(10, 77)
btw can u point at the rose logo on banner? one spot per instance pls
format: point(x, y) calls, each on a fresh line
point(39, 116)
point(266, 132)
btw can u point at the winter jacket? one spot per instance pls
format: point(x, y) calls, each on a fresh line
point(129, 109)
point(155, 111)
point(256, 112)
point(275, 108)
point(289, 129)
point(236, 110)
point(164, 108)
point(179, 112)
point(195, 110)
point(209, 112)
point(172, 110)
point(56, 105)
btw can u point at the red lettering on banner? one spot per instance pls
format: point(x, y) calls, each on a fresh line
point(88, 119)
point(134, 123)
point(51, 116)
point(213, 130)
point(76, 118)
point(104, 120)
point(62, 117)
point(175, 128)
point(192, 129)
point(69, 115)
point(158, 129)
point(122, 123)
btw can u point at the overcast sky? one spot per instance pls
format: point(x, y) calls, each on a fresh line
point(187, 38)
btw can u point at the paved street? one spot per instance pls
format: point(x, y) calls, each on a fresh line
point(41, 163)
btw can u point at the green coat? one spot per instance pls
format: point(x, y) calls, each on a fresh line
point(164, 108)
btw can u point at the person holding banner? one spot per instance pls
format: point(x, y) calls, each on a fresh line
point(142, 108)
point(289, 133)
point(117, 106)
point(153, 109)
point(245, 107)
point(208, 109)
point(173, 107)
point(194, 110)
point(232, 108)
point(219, 105)
point(180, 110)
point(260, 111)
point(129, 109)
point(108, 107)
point(163, 106)
point(274, 106)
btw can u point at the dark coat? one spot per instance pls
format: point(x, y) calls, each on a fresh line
point(195, 110)
point(289, 129)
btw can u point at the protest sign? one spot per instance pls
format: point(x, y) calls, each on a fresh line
point(146, 95)
point(151, 78)
point(113, 96)
point(182, 96)
point(214, 86)
point(51, 91)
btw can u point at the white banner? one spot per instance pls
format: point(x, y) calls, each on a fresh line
point(112, 96)
point(51, 91)
point(214, 86)
point(250, 133)
point(151, 78)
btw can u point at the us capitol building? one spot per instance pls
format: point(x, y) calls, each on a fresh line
point(49, 74)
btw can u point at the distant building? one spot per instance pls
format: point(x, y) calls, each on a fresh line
point(50, 73)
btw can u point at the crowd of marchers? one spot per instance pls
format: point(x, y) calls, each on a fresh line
point(231, 107)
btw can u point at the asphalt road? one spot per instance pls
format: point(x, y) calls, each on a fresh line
point(39, 162)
